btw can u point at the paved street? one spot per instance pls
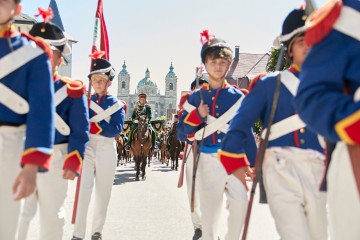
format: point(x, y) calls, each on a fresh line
point(154, 209)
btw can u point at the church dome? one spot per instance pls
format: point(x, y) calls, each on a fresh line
point(146, 81)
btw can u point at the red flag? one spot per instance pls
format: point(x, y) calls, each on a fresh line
point(101, 41)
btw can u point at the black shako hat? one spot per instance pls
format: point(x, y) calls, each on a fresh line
point(211, 44)
point(102, 66)
point(201, 81)
point(53, 35)
point(294, 24)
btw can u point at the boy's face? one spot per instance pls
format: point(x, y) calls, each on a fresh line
point(100, 83)
point(142, 100)
point(217, 67)
point(299, 50)
point(8, 9)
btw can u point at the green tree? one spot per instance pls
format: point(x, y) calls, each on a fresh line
point(274, 55)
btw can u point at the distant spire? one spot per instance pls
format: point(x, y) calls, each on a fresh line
point(56, 19)
point(147, 73)
point(124, 65)
point(171, 67)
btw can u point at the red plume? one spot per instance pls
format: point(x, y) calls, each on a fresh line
point(205, 36)
point(47, 15)
point(97, 54)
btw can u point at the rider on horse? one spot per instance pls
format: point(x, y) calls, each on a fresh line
point(141, 109)
point(172, 132)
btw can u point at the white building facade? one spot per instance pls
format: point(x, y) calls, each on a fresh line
point(161, 105)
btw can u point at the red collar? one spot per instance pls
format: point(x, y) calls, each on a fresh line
point(206, 86)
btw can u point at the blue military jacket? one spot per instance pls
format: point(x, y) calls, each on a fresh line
point(33, 82)
point(219, 101)
point(74, 111)
point(329, 79)
point(257, 105)
point(114, 126)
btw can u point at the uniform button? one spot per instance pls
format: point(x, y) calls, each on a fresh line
point(219, 140)
point(216, 106)
point(217, 114)
point(302, 141)
point(209, 91)
point(302, 130)
point(218, 131)
point(212, 98)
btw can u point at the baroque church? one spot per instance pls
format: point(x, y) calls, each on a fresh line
point(161, 105)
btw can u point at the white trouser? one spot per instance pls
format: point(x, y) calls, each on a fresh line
point(291, 178)
point(343, 197)
point(12, 141)
point(99, 165)
point(50, 193)
point(195, 216)
point(214, 182)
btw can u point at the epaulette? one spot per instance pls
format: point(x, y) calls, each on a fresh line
point(40, 42)
point(205, 86)
point(321, 22)
point(75, 88)
point(244, 91)
point(255, 80)
point(183, 99)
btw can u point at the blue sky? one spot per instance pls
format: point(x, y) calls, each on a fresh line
point(153, 33)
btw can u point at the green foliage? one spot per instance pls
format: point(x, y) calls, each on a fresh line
point(274, 55)
point(258, 127)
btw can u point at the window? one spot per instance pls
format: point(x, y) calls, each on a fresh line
point(171, 87)
point(170, 105)
point(123, 84)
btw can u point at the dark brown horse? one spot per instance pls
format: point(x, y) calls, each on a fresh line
point(162, 148)
point(120, 143)
point(175, 148)
point(141, 146)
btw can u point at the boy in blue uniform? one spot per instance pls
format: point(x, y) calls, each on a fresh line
point(196, 215)
point(294, 160)
point(26, 116)
point(71, 136)
point(328, 100)
point(106, 122)
point(214, 104)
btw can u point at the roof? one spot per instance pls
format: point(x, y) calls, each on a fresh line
point(246, 67)
point(22, 17)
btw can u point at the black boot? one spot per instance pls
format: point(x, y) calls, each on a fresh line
point(76, 238)
point(96, 236)
point(197, 234)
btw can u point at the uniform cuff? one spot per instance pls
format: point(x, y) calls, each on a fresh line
point(36, 157)
point(232, 161)
point(73, 162)
point(193, 118)
point(95, 128)
point(348, 129)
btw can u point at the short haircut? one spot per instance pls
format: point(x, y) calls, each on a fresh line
point(17, 1)
point(219, 52)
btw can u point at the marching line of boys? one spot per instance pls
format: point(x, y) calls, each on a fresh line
point(294, 160)
point(327, 103)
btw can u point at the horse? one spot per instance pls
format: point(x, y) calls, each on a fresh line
point(141, 146)
point(162, 149)
point(120, 143)
point(175, 148)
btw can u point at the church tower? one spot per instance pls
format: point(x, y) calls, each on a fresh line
point(124, 85)
point(170, 92)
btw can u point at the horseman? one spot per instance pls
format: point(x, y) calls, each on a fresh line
point(141, 109)
point(172, 131)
